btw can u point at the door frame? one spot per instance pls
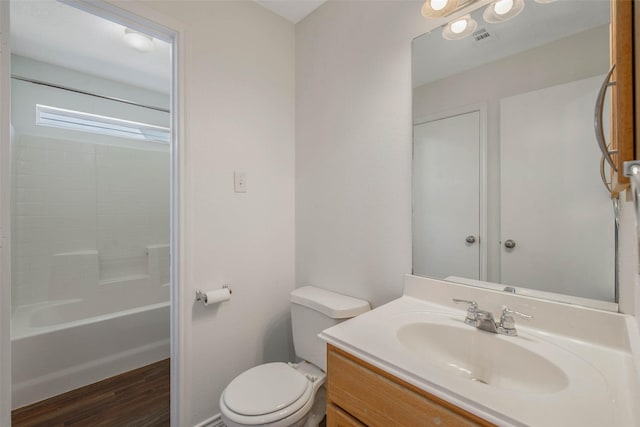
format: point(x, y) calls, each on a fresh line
point(481, 108)
point(140, 17)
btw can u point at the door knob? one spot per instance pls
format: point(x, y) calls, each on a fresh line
point(509, 244)
point(471, 239)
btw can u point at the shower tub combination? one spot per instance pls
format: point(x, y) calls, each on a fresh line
point(121, 324)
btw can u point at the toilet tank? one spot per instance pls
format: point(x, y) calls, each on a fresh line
point(314, 310)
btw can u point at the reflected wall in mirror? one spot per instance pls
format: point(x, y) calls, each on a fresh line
point(506, 171)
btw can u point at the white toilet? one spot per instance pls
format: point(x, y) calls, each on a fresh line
point(286, 394)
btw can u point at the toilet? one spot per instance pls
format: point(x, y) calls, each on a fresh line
point(291, 394)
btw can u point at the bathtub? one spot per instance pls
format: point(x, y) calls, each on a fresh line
point(57, 347)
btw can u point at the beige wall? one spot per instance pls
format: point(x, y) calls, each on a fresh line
point(239, 115)
point(353, 147)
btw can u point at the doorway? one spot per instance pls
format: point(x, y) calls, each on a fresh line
point(448, 184)
point(93, 190)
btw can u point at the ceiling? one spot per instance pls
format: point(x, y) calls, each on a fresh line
point(53, 32)
point(292, 10)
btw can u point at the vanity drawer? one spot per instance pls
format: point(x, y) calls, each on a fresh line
point(336, 417)
point(377, 398)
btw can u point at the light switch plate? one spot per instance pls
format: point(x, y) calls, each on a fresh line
point(240, 182)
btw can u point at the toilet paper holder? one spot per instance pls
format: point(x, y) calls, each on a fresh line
point(202, 296)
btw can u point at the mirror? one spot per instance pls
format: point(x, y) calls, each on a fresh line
point(507, 189)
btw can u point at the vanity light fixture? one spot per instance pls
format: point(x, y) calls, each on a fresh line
point(502, 10)
point(459, 28)
point(137, 40)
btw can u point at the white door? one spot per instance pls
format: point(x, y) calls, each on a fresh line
point(552, 200)
point(446, 197)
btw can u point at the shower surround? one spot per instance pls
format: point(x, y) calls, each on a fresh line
point(90, 261)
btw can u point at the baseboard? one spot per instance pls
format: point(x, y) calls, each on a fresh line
point(215, 421)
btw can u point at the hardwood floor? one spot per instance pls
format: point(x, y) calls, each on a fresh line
point(138, 398)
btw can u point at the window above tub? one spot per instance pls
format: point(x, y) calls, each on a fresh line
point(93, 123)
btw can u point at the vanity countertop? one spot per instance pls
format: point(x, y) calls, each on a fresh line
point(588, 359)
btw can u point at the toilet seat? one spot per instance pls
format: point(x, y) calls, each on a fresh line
point(266, 394)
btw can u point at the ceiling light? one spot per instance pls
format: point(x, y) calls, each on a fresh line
point(459, 28)
point(438, 8)
point(502, 10)
point(139, 41)
point(544, 1)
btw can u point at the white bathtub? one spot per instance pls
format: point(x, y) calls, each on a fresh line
point(57, 348)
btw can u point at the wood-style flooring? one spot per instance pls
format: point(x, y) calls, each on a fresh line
point(138, 398)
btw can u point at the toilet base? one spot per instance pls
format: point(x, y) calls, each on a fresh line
point(319, 409)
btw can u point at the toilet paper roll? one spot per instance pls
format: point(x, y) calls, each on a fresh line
point(219, 295)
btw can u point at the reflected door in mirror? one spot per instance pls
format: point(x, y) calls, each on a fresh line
point(446, 196)
point(552, 200)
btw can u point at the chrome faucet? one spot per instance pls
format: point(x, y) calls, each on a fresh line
point(484, 320)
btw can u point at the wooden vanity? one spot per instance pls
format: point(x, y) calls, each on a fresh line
point(359, 394)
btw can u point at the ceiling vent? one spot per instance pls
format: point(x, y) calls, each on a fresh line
point(481, 35)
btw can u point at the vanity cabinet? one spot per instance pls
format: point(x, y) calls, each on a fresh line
point(359, 394)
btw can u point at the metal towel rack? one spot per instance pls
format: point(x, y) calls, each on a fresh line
point(598, 125)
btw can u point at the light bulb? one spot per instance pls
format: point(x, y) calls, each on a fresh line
point(459, 26)
point(438, 4)
point(503, 6)
point(438, 8)
point(502, 10)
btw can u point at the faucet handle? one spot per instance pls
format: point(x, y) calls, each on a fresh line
point(507, 325)
point(506, 312)
point(472, 304)
point(472, 311)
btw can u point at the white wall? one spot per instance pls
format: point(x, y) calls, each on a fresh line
point(353, 147)
point(238, 115)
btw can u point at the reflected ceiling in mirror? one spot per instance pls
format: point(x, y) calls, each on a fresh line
point(435, 58)
point(506, 181)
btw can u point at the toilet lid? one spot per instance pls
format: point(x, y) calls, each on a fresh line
point(264, 389)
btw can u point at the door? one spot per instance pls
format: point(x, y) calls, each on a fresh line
point(545, 176)
point(446, 197)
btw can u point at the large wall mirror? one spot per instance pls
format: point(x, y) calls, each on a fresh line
point(507, 189)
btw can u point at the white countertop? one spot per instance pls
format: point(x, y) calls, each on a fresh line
point(603, 382)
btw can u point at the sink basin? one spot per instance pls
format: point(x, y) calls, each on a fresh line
point(483, 357)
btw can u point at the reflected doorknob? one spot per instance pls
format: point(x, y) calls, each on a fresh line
point(471, 239)
point(509, 244)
